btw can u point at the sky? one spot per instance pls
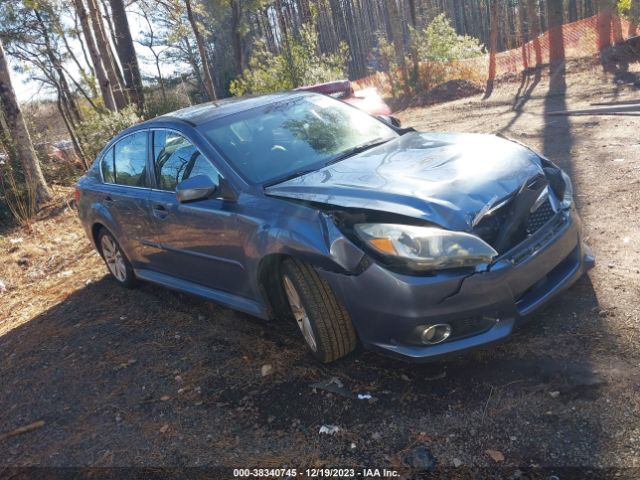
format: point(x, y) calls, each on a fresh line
point(28, 91)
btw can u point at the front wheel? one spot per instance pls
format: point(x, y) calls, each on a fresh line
point(116, 261)
point(323, 321)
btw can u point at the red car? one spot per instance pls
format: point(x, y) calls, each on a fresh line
point(367, 99)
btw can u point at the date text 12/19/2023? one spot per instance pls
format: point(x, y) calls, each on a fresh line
point(315, 473)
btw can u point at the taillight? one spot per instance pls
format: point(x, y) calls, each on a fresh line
point(76, 195)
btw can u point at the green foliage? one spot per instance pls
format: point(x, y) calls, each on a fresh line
point(97, 129)
point(624, 7)
point(300, 64)
point(389, 63)
point(157, 104)
point(629, 9)
point(439, 42)
point(436, 54)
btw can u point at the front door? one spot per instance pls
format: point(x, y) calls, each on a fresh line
point(199, 241)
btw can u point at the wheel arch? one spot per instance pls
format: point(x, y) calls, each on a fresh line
point(269, 275)
point(96, 228)
point(269, 283)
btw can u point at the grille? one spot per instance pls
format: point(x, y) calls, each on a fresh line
point(531, 247)
point(466, 327)
point(542, 215)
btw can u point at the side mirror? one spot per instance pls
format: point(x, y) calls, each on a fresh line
point(390, 120)
point(196, 188)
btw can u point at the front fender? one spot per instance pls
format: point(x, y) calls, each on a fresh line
point(316, 240)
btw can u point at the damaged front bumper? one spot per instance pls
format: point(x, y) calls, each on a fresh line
point(388, 309)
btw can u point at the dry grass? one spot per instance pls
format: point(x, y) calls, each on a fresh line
point(44, 262)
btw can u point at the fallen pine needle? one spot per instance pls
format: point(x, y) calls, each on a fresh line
point(24, 429)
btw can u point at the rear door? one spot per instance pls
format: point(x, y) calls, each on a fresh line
point(199, 242)
point(125, 194)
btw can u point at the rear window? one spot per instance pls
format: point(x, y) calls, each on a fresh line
point(130, 160)
point(107, 167)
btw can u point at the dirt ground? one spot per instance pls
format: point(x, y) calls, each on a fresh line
point(149, 377)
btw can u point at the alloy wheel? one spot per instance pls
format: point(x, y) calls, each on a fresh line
point(300, 314)
point(114, 258)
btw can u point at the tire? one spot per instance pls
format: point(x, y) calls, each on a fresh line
point(323, 321)
point(116, 261)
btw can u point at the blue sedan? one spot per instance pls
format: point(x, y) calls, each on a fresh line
point(300, 207)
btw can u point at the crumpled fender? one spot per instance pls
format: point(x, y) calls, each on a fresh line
point(316, 240)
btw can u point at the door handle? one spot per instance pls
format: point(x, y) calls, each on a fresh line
point(108, 200)
point(160, 211)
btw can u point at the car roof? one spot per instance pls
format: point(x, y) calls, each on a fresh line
point(205, 112)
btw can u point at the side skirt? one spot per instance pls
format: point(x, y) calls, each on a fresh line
point(227, 299)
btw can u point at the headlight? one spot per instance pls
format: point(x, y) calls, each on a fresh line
point(426, 248)
point(567, 198)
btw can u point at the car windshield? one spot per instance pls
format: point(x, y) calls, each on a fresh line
point(293, 137)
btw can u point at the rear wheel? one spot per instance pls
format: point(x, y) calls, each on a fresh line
point(324, 323)
point(115, 259)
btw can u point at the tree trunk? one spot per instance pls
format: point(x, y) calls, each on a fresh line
point(398, 41)
point(103, 79)
point(193, 61)
point(494, 16)
point(72, 133)
point(510, 30)
point(83, 74)
point(635, 17)
point(493, 39)
point(208, 80)
point(127, 53)
point(107, 18)
point(573, 10)
point(605, 16)
point(77, 34)
point(534, 29)
point(236, 36)
point(57, 66)
point(20, 137)
point(555, 20)
point(163, 89)
point(107, 55)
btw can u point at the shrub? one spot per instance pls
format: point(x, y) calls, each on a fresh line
point(157, 104)
point(300, 64)
point(439, 42)
point(17, 201)
point(97, 129)
point(624, 7)
point(440, 54)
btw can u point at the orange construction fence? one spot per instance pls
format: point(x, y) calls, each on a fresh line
point(584, 38)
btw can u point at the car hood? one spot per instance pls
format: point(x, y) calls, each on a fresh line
point(448, 179)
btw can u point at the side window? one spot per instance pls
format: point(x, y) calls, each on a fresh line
point(107, 167)
point(131, 160)
point(177, 159)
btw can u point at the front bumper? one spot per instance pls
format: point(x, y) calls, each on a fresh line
point(483, 307)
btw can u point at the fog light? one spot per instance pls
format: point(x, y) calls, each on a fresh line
point(435, 334)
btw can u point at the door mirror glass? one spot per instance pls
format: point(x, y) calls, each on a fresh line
point(196, 188)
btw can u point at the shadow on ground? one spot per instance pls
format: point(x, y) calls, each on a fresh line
point(616, 61)
point(149, 377)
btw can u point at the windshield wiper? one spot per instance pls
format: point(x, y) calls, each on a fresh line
point(356, 150)
point(346, 154)
point(296, 174)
